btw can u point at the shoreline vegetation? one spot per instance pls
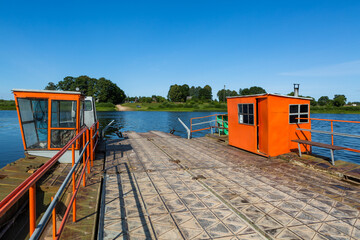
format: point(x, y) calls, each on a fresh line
point(213, 106)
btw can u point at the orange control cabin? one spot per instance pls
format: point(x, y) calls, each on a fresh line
point(50, 119)
point(265, 124)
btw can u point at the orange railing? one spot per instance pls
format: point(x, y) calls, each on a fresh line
point(332, 133)
point(200, 123)
point(88, 140)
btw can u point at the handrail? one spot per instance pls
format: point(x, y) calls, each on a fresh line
point(332, 133)
point(107, 126)
point(206, 122)
point(88, 148)
point(186, 128)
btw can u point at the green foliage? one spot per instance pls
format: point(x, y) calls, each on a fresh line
point(205, 93)
point(324, 100)
point(101, 89)
point(339, 100)
point(51, 86)
point(251, 91)
point(7, 104)
point(178, 93)
point(222, 94)
point(105, 106)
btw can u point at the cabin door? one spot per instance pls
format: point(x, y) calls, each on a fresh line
point(262, 125)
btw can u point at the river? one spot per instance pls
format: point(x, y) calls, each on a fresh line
point(11, 147)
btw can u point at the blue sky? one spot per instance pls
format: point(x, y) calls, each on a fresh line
point(145, 46)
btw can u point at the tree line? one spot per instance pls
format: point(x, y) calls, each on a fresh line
point(102, 89)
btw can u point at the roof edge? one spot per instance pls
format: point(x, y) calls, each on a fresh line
point(46, 91)
point(270, 94)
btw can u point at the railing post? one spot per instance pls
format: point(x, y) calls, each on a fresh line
point(87, 149)
point(32, 208)
point(91, 146)
point(53, 220)
point(332, 133)
point(73, 182)
point(84, 159)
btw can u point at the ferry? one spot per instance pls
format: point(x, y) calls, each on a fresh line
point(255, 178)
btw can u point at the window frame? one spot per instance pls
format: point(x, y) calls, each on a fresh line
point(248, 114)
point(299, 113)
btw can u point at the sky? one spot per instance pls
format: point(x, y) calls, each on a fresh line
point(146, 46)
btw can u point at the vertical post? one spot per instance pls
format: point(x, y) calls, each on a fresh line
point(332, 133)
point(84, 158)
point(73, 182)
point(91, 146)
point(53, 220)
point(87, 149)
point(32, 208)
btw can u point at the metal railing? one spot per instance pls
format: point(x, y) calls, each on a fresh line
point(210, 125)
point(88, 140)
point(186, 128)
point(332, 133)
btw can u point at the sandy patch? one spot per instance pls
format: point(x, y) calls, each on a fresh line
point(123, 108)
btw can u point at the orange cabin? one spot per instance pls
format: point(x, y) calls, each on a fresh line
point(49, 120)
point(265, 124)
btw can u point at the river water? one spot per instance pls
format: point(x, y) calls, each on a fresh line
point(11, 147)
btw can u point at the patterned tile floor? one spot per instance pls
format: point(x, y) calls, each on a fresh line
point(162, 187)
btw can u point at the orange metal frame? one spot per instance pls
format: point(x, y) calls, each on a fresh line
point(88, 135)
point(49, 96)
point(332, 129)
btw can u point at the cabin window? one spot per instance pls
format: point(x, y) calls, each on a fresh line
point(63, 122)
point(34, 121)
point(63, 114)
point(297, 111)
point(88, 105)
point(246, 113)
point(82, 113)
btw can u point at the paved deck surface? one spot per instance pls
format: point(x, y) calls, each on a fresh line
point(158, 186)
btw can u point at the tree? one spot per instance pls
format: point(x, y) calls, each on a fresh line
point(251, 91)
point(324, 100)
point(205, 93)
point(103, 90)
point(339, 100)
point(51, 86)
point(222, 94)
point(194, 92)
point(178, 93)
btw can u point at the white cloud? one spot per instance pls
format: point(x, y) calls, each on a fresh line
point(341, 69)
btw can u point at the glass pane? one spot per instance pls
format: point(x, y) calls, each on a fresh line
point(240, 108)
point(294, 108)
point(304, 116)
point(63, 114)
point(82, 113)
point(293, 119)
point(88, 105)
point(251, 108)
point(245, 108)
point(246, 118)
point(30, 135)
point(59, 138)
point(251, 119)
point(241, 118)
point(304, 108)
point(26, 113)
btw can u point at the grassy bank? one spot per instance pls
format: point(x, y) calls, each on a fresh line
point(105, 107)
point(332, 109)
point(7, 105)
point(178, 107)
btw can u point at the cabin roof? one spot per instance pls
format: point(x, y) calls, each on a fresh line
point(46, 91)
point(269, 94)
